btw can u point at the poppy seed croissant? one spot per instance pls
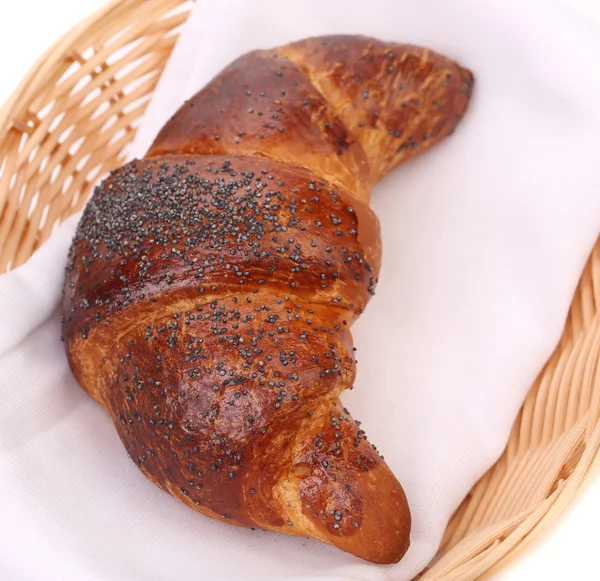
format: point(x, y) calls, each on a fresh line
point(211, 286)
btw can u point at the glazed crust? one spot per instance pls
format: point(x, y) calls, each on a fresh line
point(211, 286)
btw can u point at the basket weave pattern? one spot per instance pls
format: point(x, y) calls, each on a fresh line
point(69, 122)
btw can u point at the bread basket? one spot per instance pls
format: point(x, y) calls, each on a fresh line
point(69, 122)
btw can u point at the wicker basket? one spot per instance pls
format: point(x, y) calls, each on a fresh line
point(69, 122)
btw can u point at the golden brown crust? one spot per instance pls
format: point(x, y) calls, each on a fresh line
point(211, 286)
point(263, 106)
point(397, 99)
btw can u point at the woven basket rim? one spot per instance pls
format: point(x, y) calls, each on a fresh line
point(63, 45)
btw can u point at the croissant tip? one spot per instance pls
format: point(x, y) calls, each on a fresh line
point(384, 533)
point(466, 75)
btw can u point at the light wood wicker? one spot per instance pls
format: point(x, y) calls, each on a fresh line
point(67, 125)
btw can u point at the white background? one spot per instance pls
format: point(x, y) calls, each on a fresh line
point(569, 550)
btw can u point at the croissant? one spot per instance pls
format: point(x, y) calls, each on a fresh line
point(211, 286)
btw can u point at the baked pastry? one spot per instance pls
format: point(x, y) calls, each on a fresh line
point(211, 286)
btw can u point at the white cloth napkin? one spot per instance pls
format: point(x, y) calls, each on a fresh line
point(484, 240)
